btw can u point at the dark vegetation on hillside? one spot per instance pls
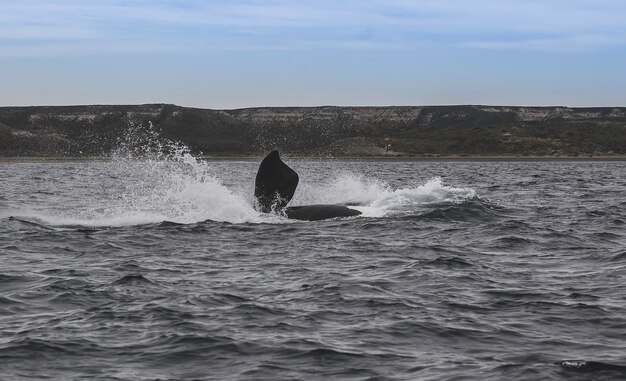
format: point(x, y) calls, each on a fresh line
point(321, 131)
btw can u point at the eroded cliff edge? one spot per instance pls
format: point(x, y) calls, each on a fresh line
point(322, 131)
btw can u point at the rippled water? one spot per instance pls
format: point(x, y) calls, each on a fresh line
point(161, 269)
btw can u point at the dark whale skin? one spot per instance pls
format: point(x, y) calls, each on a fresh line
point(275, 185)
point(319, 212)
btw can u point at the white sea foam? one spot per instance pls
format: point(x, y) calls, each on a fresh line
point(156, 180)
point(376, 198)
point(343, 188)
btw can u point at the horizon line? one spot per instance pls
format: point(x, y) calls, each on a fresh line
point(309, 106)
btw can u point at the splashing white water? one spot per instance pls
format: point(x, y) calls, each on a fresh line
point(409, 198)
point(156, 180)
point(344, 188)
point(151, 179)
point(375, 198)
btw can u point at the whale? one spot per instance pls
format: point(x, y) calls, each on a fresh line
point(274, 187)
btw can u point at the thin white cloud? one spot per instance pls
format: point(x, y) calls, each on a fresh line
point(521, 16)
point(578, 43)
point(502, 24)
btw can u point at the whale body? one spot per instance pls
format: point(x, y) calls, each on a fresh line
point(319, 212)
point(274, 187)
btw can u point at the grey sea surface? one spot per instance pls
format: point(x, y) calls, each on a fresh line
point(160, 268)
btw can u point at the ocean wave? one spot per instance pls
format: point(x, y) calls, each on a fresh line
point(468, 210)
point(133, 280)
point(591, 366)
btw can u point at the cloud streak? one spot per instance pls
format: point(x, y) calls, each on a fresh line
point(570, 25)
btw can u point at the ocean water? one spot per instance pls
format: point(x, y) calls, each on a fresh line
point(153, 265)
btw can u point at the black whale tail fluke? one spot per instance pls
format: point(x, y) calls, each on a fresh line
point(275, 184)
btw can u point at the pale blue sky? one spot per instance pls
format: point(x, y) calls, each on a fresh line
point(229, 54)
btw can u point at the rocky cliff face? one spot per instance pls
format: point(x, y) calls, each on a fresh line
point(321, 131)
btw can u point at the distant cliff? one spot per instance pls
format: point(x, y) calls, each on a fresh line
point(322, 131)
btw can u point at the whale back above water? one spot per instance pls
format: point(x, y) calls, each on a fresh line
point(319, 212)
point(275, 185)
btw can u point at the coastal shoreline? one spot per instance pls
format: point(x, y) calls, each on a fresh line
point(463, 132)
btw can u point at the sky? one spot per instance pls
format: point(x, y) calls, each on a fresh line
point(233, 54)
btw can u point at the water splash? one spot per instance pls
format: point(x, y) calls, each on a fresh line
point(375, 198)
point(343, 188)
point(150, 179)
point(160, 180)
